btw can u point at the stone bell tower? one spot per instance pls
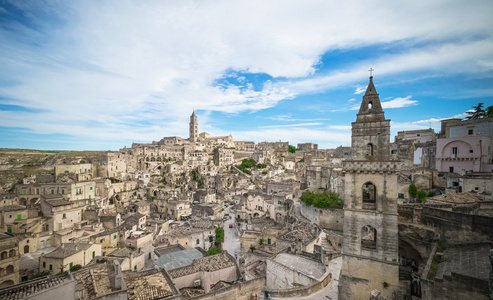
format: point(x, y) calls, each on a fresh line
point(194, 128)
point(370, 244)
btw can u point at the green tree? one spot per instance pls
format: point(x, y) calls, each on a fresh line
point(421, 196)
point(214, 250)
point(477, 113)
point(488, 112)
point(292, 149)
point(413, 191)
point(220, 235)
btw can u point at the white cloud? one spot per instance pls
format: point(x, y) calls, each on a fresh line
point(107, 68)
point(360, 90)
point(399, 102)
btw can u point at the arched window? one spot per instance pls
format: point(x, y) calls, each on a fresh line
point(370, 105)
point(10, 269)
point(369, 149)
point(368, 237)
point(369, 193)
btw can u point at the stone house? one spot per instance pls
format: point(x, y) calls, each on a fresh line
point(68, 255)
point(223, 156)
point(82, 171)
point(62, 214)
point(206, 272)
point(465, 146)
point(107, 239)
point(9, 260)
point(188, 236)
point(129, 260)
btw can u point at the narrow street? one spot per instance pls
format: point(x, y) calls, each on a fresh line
point(231, 237)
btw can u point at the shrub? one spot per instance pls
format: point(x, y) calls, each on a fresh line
point(261, 242)
point(75, 268)
point(252, 248)
point(214, 250)
point(220, 235)
point(413, 191)
point(326, 199)
point(421, 196)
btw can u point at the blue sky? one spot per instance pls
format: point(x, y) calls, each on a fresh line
point(99, 75)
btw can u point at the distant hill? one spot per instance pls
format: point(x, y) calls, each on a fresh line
point(15, 164)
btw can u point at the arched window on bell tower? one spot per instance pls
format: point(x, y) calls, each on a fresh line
point(369, 149)
point(369, 193)
point(370, 105)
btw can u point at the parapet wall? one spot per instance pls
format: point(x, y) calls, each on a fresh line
point(239, 291)
point(325, 218)
point(447, 218)
point(301, 291)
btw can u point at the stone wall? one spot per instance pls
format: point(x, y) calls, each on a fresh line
point(325, 218)
point(280, 277)
point(238, 291)
point(447, 220)
point(455, 286)
point(301, 291)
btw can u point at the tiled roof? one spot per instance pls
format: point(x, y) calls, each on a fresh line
point(95, 280)
point(147, 287)
point(209, 264)
point(12, 207)
point(67, 250)
point(22, 291)
point(58, 202)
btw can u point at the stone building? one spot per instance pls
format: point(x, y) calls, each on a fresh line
point(370, 242)
point(9, 260)
point(68, 255)
point(465, 146)
point(194, 128)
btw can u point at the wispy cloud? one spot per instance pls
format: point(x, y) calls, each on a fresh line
point(399, 102)
point(359, 90)
point(291, 125)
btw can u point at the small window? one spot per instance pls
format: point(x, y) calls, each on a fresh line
point(471, 151)
point(51, 267)
point(64, 216)
point(418, 134)
point(44, 265)
point(470, 131)
point(198, 241)
point(114, 237)
point(451, 169)
point(401, 196)
point(93, 254)
point(454, 152)
point(476, 188)
point(393, 151)
point(63, 191)
point(90, 188)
